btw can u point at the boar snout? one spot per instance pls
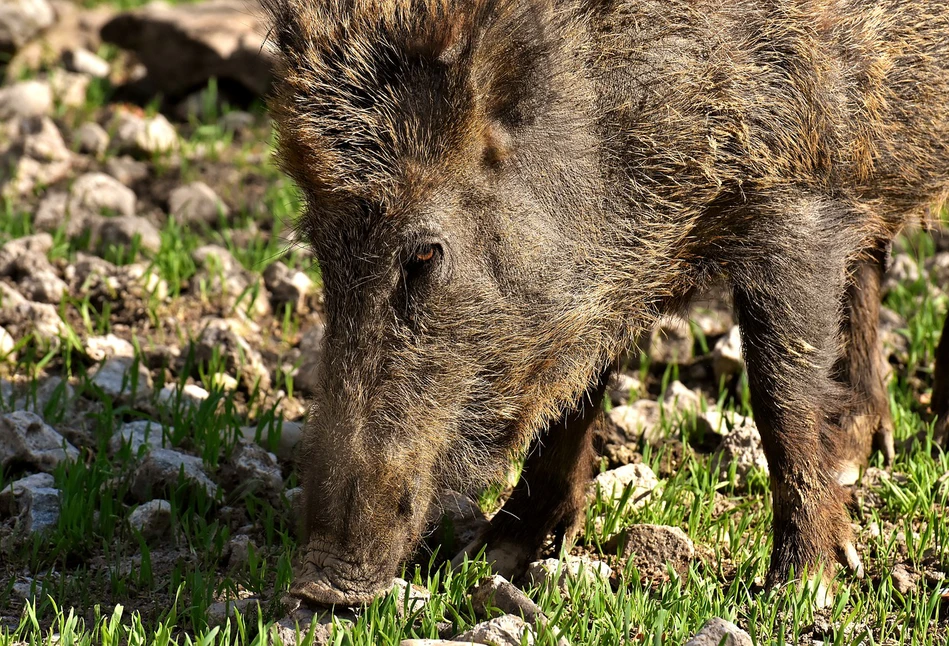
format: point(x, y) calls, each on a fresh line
point(366, 506)
point(327, 577)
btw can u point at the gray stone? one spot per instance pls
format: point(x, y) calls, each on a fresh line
point(623, 386)
point(681, 399)
point(27, 589)
point(726, 355)
point(713, 316)
point(74, 26)
point(39, 319)
point(91, 139)
point(742, 447)
point(21, 20)
point(26, 438)
point(190, 394)
point(183, 46)
point(34, 246)
point(98, 193)
point(24, 259)
point(9, 297)
point(653, 548)
point(116, 379)
point(721, 422)
point(37, 158)
point(226, 282)
point(718, 632)
point(571, 568)
point(222, 337)
point(257, 468)
point(49, 388)
point(43, 141)
point(196, 203)
point(904, 578)
point(125, 284)
point(69, 88)
point(409, 598)
point(287, 286)
point(290, 435)
point(158, 474)
point(144, 136)
point(497, 592)
point(99, 348)
point(506, 630)
point(639, 420)
point(612, 484)
point(33, 501)
point(222, 381)
point(43, 285)
point(671, 341)
point(89, 268)
point(221, 611)
point(151, 519)
point(138, 434)
point(216, 258)
point(127, 170)
point(292, 632)
point(618, 455)
point(51, 214)
point(143, 281)
point(240, 547)
point(294, 497)
point(26, 99)
point(82, 61)
point(122, 230)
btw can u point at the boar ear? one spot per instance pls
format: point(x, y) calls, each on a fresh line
point(513, 55)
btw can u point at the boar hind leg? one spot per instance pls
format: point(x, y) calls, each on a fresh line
point(549, 498)
point(866, 423)
point(940, 400)
point(788, 305)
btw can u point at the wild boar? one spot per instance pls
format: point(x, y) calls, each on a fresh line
point(503, 194)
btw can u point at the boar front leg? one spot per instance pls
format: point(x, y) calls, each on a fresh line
point(550, 495)
point(788, 297)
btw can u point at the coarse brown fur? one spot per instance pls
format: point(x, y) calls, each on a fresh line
point(503, 194)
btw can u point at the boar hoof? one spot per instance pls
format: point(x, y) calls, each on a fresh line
point(821, 582)
point(813, 551)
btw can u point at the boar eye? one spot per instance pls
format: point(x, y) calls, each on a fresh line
point(423, 255)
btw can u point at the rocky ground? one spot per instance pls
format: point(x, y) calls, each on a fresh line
point(159, 330)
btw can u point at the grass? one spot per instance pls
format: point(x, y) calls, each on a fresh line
point(94, 579)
